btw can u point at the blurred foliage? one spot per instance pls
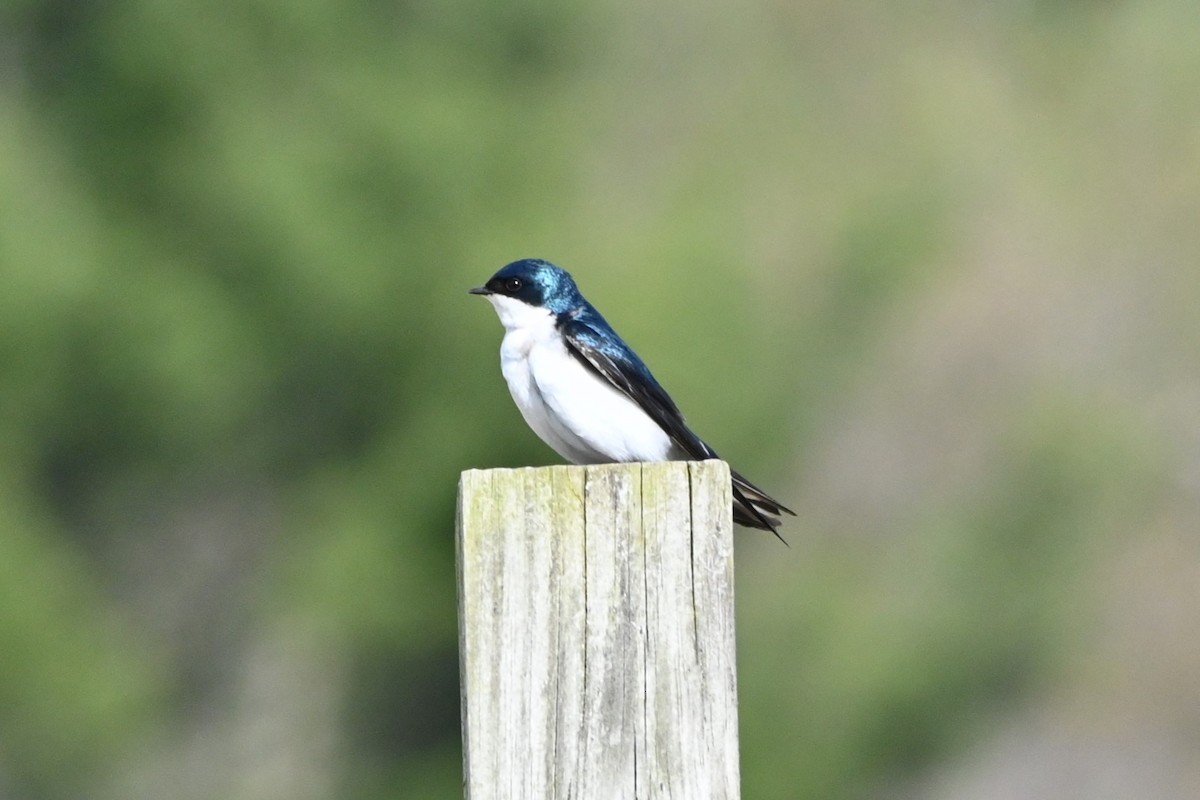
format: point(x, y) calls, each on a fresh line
point(951, 249)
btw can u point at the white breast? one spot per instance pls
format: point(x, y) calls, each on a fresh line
point(572, 409)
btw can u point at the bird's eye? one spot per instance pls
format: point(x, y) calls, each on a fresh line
point(513, 285)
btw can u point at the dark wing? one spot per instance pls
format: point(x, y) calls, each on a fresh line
point(591, 340)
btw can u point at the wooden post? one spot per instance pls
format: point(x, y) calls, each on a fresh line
point(596, 632)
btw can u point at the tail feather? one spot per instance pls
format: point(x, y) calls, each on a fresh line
point(754, 508)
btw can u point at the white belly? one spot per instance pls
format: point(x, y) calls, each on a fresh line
point(573, 409)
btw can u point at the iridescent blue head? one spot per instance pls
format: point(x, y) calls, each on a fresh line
point(536, 283)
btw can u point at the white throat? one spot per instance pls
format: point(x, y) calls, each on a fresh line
point(518, 316)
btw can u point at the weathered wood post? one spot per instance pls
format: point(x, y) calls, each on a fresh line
point(596, 632)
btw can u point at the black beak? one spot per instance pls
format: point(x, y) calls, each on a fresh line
point(479, 290)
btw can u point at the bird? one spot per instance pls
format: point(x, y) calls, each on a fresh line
point(586, 393)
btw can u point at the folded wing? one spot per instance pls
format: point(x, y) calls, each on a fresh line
point(590, 339)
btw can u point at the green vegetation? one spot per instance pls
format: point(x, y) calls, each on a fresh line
point(928, 275)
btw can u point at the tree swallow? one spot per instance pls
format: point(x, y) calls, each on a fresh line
point(585, 392)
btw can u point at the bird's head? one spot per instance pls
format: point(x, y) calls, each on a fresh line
point(530, 287)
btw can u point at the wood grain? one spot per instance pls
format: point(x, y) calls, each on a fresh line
point(596, 632)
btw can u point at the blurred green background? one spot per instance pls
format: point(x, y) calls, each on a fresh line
point(928, 272)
